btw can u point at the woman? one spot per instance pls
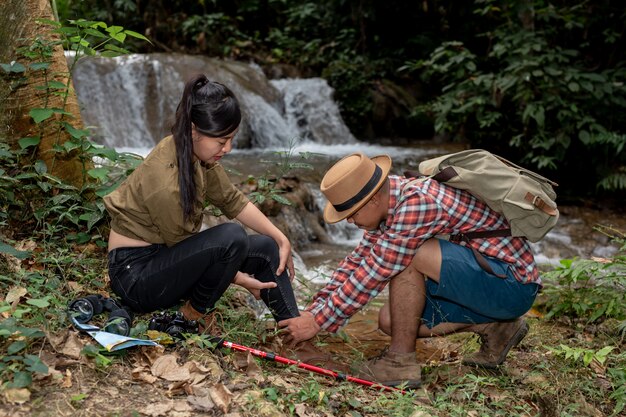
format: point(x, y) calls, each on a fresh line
point(158, 252)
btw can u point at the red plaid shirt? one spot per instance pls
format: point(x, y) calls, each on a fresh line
point(417, 212)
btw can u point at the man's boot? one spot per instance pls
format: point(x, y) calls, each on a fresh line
point(206, 322)
point(392, 369)
point(496, 340)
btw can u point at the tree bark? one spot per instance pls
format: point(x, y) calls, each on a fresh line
point(18, 28)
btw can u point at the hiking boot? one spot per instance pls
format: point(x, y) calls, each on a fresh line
point(496, 341)
point(206, 321)
point(392, 369)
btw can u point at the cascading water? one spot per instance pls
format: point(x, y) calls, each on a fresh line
point(130, 101)
point(311, 110)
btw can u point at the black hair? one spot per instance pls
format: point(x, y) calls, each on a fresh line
point(214, 111)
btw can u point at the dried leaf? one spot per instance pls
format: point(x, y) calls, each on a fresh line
point(166, 367)
point(67, 379)
point(240, 360)
point(203, 404)
point(159, 409)
point(15, 294)
point(73, 346)
point(254, 370)
point(151, 353)
point(142, 373)
point(221, 396)
point(75, 287)
point(17, 395)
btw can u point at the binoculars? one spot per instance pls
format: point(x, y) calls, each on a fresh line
point(173, 324)
point(118, 322)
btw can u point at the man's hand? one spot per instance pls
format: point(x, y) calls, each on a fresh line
point(299, 329)
point(252, 284)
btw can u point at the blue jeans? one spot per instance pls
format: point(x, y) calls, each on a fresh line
point(200, 269)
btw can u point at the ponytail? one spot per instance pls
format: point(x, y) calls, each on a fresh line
point(214, 110)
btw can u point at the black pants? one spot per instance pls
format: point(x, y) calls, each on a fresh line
point(200, 268)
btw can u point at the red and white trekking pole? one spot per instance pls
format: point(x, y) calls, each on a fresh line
point(273, 357)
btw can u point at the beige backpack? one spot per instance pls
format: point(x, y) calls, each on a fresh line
point(524, 198)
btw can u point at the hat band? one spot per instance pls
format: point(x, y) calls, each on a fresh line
point(367, 188)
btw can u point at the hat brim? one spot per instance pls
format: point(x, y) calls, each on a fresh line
point(333, 216)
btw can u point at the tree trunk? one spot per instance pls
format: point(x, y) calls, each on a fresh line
point(19, 28)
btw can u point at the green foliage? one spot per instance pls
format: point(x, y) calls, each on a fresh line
point(581, 354)
point(533, 92)
point(32, 197)
point(37, 205)
point(593, 289)
point(266, 185)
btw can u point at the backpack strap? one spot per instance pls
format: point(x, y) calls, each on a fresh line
point(536, 201)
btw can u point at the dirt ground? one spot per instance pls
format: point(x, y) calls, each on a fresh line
point(190, 381)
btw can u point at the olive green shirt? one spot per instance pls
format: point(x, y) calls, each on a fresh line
point(146, 206)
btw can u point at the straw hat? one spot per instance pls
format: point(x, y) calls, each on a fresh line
point(351, 182)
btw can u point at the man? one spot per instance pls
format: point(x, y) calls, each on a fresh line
point(436, 287)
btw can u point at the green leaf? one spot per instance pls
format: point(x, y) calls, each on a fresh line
point(99, 173)
point(29, 141)
point(38, 302)
point(114, 29)
point(49, 22)
point(13, 67)
point(96, 33)
point(69, 145)
point(136, 35)
point(21, 380)
point(16, 347)
point(281, 199)
point(35, 364)
point(10, 250)
point(573, 87)
point(39, 115)
point(115, 48)
point(41, 167)
point(108, 153)
point(584, 137)
point(58, 85)
point(36, 66)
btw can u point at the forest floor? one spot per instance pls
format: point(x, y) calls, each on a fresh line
point(188, 380)
point(564, 367)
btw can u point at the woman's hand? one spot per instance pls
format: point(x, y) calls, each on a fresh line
point(252, 284)
point(286, 258)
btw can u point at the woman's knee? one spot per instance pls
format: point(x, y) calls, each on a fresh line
point(234, 238)
point(265, 245)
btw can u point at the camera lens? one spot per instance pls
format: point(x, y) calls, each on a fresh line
point(118, 323)
point(175, 331)
point(81, 310)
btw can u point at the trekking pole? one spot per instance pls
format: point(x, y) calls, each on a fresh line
point(322, 371)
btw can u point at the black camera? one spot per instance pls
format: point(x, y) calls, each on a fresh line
point(173, 324)
point(85, 308)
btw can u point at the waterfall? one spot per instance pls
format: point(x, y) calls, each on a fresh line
point(310, 110)
point(130, 101)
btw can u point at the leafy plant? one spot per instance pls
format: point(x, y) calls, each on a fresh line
point(581, 354)
point(30, 194)
point(531, 93)
point(267, 185)
point(594, 289)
